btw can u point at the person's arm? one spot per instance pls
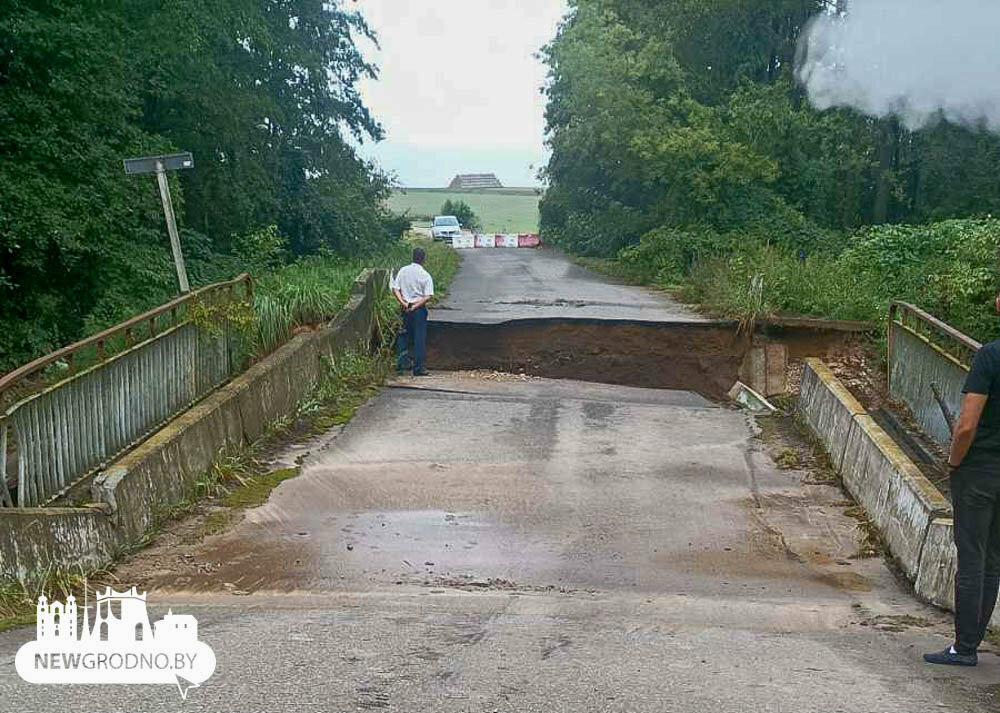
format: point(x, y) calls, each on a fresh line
point(965, 427)
point(414, 306)
point(428, 294)
point(394, 288)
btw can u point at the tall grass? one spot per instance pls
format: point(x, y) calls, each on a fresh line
point(948, 268)
point(312, 290)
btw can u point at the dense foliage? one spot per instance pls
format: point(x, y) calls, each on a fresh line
point(948, 268)
point(681, 140)
point(463, 211)
point(264, 94)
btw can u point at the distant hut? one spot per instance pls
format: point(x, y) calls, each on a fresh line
point(475, 180)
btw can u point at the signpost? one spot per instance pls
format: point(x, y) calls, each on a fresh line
point(160, 165)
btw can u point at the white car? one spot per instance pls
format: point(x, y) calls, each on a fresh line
point(446, 227)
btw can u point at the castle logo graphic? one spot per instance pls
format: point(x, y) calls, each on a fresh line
point(119, 646)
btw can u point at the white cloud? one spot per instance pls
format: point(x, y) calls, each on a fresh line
point(459, 85)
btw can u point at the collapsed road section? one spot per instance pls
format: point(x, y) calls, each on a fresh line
point(534, 312)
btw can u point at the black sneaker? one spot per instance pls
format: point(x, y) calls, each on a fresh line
point(947, 658)
point(420, 373)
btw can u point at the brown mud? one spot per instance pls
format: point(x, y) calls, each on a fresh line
point(701, 357)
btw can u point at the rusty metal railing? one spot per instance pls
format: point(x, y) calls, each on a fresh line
point(943, 338)
point(927, 356)
point(64, 431)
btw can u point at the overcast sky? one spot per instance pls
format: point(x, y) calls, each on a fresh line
point(459, 87)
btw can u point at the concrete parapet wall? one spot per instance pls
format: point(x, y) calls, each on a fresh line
point(897, 496)
point(936, 580)
point(134, 493)
point(912, 515)
point(829, 408)
point(34, 540)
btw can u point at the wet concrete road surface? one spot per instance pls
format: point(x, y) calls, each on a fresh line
point(497, 544)
point(497, 285)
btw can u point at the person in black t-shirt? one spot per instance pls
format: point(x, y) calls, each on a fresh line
point(974, 463)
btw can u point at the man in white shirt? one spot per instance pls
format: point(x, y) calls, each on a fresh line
point(413, 288)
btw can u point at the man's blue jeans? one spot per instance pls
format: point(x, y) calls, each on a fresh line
point(411, 343)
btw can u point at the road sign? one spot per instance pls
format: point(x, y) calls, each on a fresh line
point(160, 165)
point(171, 162)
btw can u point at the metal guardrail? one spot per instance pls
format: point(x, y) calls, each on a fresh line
point(928, 360)
point(943, 338)
point(65, 431)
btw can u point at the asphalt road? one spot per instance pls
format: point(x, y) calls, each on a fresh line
point(468, 544)
point(473, 543)
point(500, 284)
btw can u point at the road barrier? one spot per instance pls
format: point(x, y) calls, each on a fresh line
point(497, 240)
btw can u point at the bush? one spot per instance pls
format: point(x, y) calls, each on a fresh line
point(398, 223)
point(463, 211)
point(665, 255)
point(948, 269)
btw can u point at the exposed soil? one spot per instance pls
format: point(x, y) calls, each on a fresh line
point(704, 358)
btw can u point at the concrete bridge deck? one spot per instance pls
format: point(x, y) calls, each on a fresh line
point(472, 542)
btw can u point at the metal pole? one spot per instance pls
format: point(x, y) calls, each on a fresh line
point(175, 241)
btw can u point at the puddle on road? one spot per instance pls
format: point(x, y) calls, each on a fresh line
point(428, 547)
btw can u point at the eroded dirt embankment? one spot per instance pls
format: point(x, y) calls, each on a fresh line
point(701, 357)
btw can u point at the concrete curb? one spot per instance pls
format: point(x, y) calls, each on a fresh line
point(134, 493)
point(909, 511)
point(829, 408)
point(938, 562)
point(897, 496)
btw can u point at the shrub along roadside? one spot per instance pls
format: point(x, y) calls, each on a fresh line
point(463, 212)
point(312, 290)
point(948, 268)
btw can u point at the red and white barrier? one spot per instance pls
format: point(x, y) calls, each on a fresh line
point(497, 240)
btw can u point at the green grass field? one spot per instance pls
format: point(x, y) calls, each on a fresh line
point(501, 210)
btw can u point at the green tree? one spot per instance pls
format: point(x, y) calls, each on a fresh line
point(72, 225)
point(684, 115)
point(264, 94)
point(463, 211)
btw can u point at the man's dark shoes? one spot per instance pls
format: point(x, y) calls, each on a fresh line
point(420, 373)
point(947, 658)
